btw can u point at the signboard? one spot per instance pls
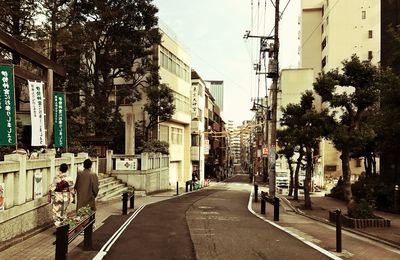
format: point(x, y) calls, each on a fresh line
point(38, 180)
point(195, 100)
point(265, 151)
point(2, 198)
point(60, 120)
point(126, 164)
point(7, 106)
point(36, 99)
point(206, 146)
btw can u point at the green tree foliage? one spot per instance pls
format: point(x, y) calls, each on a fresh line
point(287, 143)
point(349, 105)
point(304, 128)
point(160, 106)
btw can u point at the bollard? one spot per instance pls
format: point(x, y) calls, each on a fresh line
point(177, 188)
point(338, 231)
point(62, 242)
point(263, 202)
point(255, 193)
point(125, 203)
point(396, 198)
point(187, 186)
point(276, 209)
point(87, 237)
point(132, 200)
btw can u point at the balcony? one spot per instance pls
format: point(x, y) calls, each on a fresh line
point(194, 153)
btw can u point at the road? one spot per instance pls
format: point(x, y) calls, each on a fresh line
point(213, 223)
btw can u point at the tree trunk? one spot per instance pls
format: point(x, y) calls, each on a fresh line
point(296, 174)
point(291, 177)
point(307, 184)
point(346, 174)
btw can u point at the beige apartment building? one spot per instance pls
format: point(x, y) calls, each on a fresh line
point(175, 71)
point(331, 31)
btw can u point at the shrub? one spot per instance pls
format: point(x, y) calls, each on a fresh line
point(362, 209)
point(156, 146)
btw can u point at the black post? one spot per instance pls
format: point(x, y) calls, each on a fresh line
point(396, 198)
point(125, 203)
point(276, 209)
point(338, 231)
point(87, 237)
point(186, 186)
point(255, 192)
point(263, 201)
point(62, 242)
point(132, 200)
point(177, 188)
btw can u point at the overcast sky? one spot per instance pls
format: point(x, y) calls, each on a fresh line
point(212, 31)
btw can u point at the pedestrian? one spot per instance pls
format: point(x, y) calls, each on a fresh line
point(61, 194)
point(86, 186)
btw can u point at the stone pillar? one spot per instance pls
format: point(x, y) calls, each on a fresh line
point(72, 167)
point(48, 93)
point(50, 156)
point(130, 134)
point(144, 158)
point(19, 179)
point(109, 162)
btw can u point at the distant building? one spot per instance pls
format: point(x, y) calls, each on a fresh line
point(216, 88)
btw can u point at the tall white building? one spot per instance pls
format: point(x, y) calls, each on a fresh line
point(332, 31)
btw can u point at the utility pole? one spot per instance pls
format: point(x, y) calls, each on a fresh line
point(274, 105)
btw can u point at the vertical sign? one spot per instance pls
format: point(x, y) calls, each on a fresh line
point(38, 187)
point(195, 100)
point(60, 123)
point(7, 107)
point(37, 113)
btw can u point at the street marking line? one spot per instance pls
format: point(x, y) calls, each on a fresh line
point(106, 247)
point(302, 239)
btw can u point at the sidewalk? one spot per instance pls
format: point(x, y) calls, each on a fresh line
point(40, 246)
point(313, 226)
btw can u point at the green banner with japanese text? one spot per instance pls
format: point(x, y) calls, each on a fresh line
point(60, 120)
point(7, 106)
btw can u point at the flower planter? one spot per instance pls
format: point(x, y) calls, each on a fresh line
point(359, 223)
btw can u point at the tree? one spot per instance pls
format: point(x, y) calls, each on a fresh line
point(106, 42)
point(307, 127)
point(160, 106)
point(359, 83)
point(287, 144)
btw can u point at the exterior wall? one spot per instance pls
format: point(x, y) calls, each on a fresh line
point(24, 211)
point(334, 40)
point(216, 88)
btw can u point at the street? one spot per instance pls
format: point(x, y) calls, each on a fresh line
point(213, 223)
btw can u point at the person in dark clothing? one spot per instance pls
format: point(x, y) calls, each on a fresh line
point(86, 186)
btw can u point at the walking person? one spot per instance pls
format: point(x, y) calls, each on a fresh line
point(61, 194)
point(86, 186)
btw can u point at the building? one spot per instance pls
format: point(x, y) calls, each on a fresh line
point(197, 150)
point(216, 88)
point(326, 39)
point(175, 71)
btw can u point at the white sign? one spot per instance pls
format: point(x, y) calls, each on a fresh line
point(206, 146)
point(126, 164)
point(195, 100)
point(37, 113)
point(38, 179)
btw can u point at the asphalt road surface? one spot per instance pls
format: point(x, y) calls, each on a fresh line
point(213, 223)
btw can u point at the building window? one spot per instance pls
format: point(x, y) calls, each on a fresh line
point(176, 135)
point(358, 162)
point(164, 133)
point(323, 63)
point(330, 168)
point(363, 14)
point(370, 34)
point(195, 140)
point(370, 56)
point(174, 65)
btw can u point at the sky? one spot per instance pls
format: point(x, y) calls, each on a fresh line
point(213, 30)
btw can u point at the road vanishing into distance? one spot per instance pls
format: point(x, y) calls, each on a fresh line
point(213, 223)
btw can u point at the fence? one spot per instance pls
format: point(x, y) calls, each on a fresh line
point(25, 184)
